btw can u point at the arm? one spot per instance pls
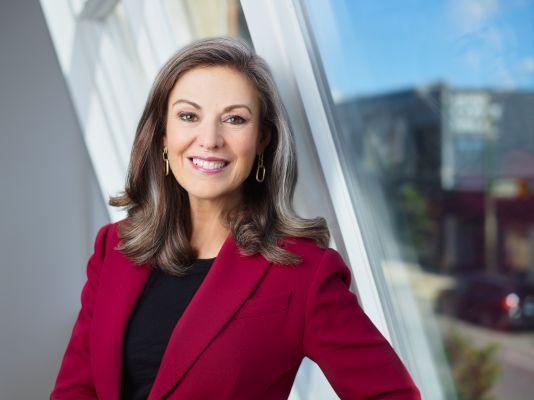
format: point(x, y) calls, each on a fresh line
point(74, 380)
point(356, 359)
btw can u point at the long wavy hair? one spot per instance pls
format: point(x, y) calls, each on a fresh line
point(157, 229)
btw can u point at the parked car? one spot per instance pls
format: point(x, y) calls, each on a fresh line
point(494, 301)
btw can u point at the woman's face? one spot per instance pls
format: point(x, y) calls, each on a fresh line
point(213, 113)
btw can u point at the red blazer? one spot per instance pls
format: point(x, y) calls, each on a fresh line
point(242, 336)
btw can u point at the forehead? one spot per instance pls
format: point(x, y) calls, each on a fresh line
point(213, 85)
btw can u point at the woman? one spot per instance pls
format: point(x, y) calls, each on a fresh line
point(212, 287)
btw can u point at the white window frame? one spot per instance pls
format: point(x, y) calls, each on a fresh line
point(108, 73)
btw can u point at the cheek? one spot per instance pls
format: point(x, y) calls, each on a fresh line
point(176, 142)
point(246, 148)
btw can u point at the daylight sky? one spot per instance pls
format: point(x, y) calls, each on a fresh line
point(370, 47)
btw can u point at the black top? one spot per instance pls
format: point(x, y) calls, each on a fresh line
point(159, 308)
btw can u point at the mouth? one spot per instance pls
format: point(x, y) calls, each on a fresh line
point(208, 167)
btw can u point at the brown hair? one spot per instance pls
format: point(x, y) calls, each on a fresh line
point(158, 225)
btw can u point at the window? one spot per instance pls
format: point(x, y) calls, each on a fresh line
point(429, 104)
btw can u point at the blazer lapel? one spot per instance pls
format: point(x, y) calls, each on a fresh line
point(229, 282)
point(118, 294)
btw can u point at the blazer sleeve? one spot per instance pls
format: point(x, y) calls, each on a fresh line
point(356, 359)
point(74, 380)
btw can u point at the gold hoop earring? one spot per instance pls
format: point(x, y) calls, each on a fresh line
point(166, 160)
point(260, 166)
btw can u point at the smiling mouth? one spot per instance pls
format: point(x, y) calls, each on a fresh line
point(209, 167)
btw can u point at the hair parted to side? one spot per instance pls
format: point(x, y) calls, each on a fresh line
point(158, 226)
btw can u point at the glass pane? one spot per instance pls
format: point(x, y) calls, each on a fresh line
point(195, 19)
point(432, 104)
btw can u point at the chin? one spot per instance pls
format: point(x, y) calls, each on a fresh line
point(206, 194)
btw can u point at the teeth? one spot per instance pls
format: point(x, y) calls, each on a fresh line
point(208, 164)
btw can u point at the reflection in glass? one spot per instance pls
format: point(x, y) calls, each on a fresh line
point(433, 116)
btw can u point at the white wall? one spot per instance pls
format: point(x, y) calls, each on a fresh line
point(50, 205)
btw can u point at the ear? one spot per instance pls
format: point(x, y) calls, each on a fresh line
point(265, 140)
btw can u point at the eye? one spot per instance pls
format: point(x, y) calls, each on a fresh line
point(240, 120)
point(186, 116)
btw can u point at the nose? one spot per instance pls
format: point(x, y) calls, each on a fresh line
point(209, 135)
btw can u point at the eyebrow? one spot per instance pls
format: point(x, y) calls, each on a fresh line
point(229, 108)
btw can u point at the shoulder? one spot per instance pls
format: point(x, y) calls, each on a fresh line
point(317, 260)
point(301, 246)
point(106, 238)
point(309, 250)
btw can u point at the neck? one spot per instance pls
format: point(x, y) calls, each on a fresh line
point(208, 231)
